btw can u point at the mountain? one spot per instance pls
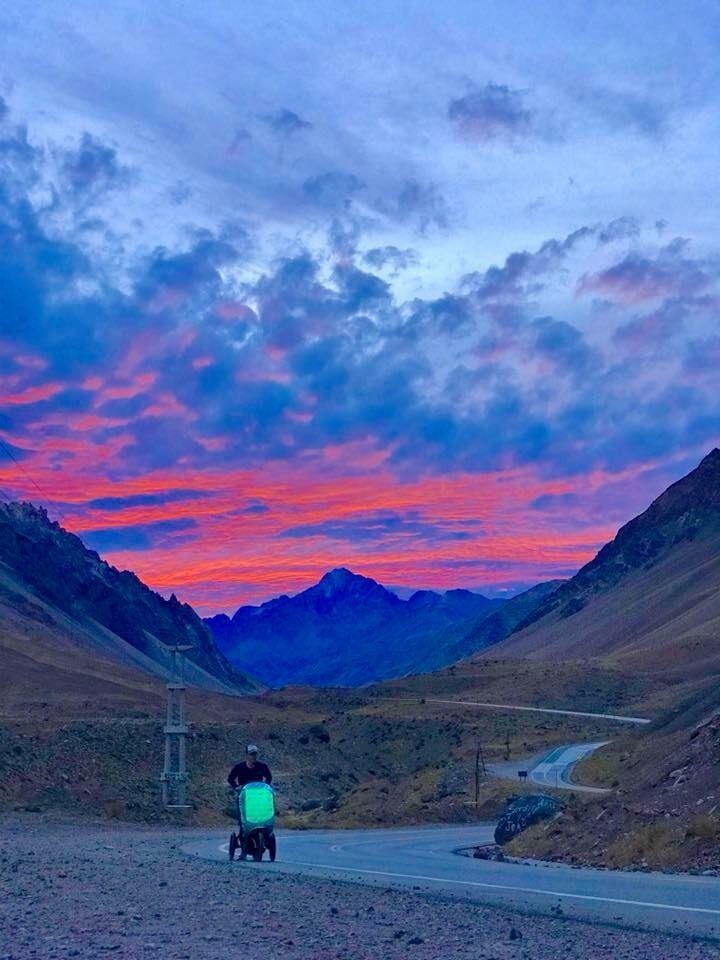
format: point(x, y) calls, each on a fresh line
point(477, 634)
point(346, 630)
point(650, 600)
point(64, 609)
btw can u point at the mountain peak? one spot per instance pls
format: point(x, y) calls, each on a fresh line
point(695, 493)
point(338, 577)
point(709, 466)
point(340, 580)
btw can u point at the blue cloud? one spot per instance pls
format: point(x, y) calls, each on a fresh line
point(492, 112)
point(390, 256)
point(551, 501)
point(286, 122)
point(139, 537)
point(333, 190)
point(424, 204)
point(93, 169)
point(146, 499)
point(377, 526)
point(627, 110)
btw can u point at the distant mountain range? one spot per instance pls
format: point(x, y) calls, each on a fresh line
point(349, 630)
point(62, 607)
point(650, 600)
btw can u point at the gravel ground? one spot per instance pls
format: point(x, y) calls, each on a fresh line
point(73, 889)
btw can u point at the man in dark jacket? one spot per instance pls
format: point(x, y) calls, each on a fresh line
point(250, 770)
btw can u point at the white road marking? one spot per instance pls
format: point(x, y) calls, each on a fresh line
point(500, 886)
point(553, 769)
point(509, 706)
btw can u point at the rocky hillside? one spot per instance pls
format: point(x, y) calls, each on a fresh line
point(61, 604)
point(647, 606)
point(650, 600)
point(663, 808)
point(346, 630)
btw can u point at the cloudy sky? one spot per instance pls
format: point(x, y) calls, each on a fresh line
point(427, 290)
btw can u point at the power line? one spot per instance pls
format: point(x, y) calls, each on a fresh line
point(48, 501)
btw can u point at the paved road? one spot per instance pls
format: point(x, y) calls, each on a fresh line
point(509, 706)
point(555, 769)
point(423, 859)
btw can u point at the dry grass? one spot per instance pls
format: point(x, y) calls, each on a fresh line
point(606, 766)
point(703, 827)
point(652, 845)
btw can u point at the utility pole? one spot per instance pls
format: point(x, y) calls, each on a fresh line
point(173, 779)
point(479, 766)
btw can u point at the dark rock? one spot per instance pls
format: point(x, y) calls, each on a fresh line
point(523, 812)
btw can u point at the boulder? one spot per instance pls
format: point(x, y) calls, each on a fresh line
point(523, 812)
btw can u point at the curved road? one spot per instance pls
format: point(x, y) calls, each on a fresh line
point(422, 858)
point(425, 858)
point(617, 718)
point(555, 768)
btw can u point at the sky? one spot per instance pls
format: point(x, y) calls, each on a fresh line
point(425, 290)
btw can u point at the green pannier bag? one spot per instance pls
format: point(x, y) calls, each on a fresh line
point(256, 802)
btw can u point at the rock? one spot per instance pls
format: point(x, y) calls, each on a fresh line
point(482, 853)
point(523, 812)
point(319, 733)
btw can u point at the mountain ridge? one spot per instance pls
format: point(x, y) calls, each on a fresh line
point(48, 576)
point(348, 629)
point(647, 592)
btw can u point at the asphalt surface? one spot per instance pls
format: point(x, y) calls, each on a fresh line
point(424, 859)
point(427, 858)
point(555, 768)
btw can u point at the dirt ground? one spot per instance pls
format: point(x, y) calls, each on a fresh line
point(94, 890)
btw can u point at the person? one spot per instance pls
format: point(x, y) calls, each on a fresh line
point(249, 770)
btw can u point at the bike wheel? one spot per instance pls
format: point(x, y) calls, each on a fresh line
point(232, 846)
point(259, 848)
point(272, 847)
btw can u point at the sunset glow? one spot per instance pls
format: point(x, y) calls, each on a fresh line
point(443, 327)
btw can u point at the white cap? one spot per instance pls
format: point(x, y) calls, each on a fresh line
point(251, 748)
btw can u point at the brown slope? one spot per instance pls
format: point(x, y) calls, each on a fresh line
point(60, 602)
point(650, 600)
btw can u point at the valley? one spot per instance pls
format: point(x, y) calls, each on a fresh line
point(632, 634)
point(359, 481)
